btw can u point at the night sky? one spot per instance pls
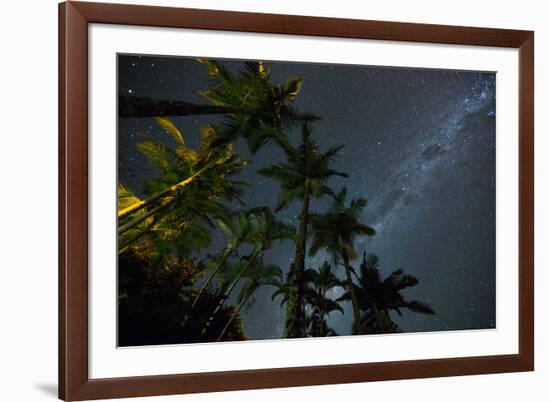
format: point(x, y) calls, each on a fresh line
point(420, 146)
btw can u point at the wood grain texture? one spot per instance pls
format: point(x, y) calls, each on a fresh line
point(298, 25)
point(74, 382)
point(73, 201)
point(526, 201)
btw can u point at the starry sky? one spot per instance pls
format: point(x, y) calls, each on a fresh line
point(420, 146)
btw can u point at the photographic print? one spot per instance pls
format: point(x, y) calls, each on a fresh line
point(269, 200)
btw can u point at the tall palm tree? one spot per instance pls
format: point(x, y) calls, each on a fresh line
point(264, 230)
point(253, 106)
point(336, 232)
point(257, 276)
point(378, 297)
point(304, 175)
point(319, 284)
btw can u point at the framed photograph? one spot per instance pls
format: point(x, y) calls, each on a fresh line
point(258, 201)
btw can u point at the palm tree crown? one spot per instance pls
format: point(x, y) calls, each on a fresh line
point(319, 284)
point(306, 171)
point(377, 296)
point(336, 231)
point(187, 193)
point(259, 110)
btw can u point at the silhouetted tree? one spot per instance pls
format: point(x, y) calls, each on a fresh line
point(237, 229)
point(303, 176)
point(264, 230)
point(257, 276)
point(318, 285)
point(336, 231)
point(378, 297)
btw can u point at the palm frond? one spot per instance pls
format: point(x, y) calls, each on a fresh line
point(171, 129)
point(291, 88)
point(419, 307)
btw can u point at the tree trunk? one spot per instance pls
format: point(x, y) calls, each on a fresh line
point(357, 316)
point(323, 328)
point(379, 321)
point(323, 331)
point(233, 316)
point(294, 308)
point(134, 106)
point(136, 221)
point(136, 206)
point(211, 277)
point(125, 243)
point(228, 292)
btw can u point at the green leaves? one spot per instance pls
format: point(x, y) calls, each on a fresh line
point(305, 170)
point(256, 276)
point(284, 173)
point(186, 194)
point(291, 88)
point(158, 154)
point(171, 129)
point(125, 197)
point(287, 196)
point(266, 228)
point(258, 110)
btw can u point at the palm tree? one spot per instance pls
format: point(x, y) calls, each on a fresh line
point(336, 232)
point(236, 228)
point(183, 166)
point(257, 276)
point(282, 287)
point(319, 284)
point(264, 230)
point(179, 230)
point(377, 297)
point(253, 106)
point(304, 175)
point(189, 190)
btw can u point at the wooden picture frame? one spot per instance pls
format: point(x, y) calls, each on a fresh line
point(74, 381)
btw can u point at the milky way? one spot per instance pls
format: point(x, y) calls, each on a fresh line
point(420, 146)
